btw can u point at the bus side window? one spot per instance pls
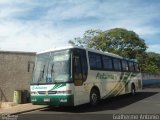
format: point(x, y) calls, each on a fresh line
point(124, 65)
point(136, 66)
point(95, 61)
point(107, 63)
point(131, 67)
point(117, 64)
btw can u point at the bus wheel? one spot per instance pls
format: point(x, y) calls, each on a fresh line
point(94, 97)
point(133, 90)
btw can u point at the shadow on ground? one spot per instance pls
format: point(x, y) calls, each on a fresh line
point(107, 104)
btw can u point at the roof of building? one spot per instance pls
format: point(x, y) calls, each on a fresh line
point(17, 52)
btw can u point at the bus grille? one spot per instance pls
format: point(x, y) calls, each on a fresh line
point(46, 92)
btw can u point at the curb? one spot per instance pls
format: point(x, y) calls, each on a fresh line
point(20, 112)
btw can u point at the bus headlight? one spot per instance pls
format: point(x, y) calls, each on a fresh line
point(65, 92)
point(33, 93)
point(33, 99)
point(63, 100)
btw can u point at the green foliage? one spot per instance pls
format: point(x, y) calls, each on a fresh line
point(152, 63)
point(86, 40)
point(155, 58)
point(122, 42)
point(119, 41)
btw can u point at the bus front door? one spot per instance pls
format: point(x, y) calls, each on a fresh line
point(79, 76)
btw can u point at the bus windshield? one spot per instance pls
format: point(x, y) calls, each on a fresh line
point(52, 67)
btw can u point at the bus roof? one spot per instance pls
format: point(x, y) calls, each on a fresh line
point(59, 48)
point(87, 49)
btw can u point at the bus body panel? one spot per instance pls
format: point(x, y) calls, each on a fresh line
point(112, 83)
point(60, 94)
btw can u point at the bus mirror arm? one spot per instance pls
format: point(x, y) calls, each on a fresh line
point(29, 65)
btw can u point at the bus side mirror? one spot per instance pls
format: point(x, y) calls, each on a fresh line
point(30, 64)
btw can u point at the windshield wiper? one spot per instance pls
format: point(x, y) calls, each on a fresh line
point(52, 69)
point(41, 74)
point(43, 71)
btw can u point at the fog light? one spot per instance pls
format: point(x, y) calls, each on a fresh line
point(63, 100)
point(65, 92)
point(34, 100)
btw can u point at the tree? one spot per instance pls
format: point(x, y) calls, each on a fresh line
point(86, 40)
point(119, 41)
point(151, 63)
point(122, 42)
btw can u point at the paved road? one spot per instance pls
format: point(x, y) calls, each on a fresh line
point(146, 101)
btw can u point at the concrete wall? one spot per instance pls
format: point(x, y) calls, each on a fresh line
point(150, 79)
point(14, 73)
point(148, 76)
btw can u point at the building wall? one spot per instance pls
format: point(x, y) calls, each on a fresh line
point(14, 73)
point(150, 76)
point(150, 79)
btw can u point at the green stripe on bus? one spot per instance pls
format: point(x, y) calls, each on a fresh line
point(123, 78)
point(125, 81)
point(58, 86)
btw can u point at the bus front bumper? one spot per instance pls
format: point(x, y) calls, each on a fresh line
point(55, 100)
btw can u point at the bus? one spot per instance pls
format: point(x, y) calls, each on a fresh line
point(72, 76)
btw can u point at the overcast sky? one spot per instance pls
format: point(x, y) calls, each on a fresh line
point(37, 25)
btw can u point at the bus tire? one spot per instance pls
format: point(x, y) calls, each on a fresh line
point(94, 97)
point(133, 89)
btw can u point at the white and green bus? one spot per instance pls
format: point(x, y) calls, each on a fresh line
point(74, 75)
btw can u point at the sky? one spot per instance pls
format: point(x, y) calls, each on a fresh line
point(37, 25)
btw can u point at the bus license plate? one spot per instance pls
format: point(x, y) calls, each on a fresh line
point(46, 99)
